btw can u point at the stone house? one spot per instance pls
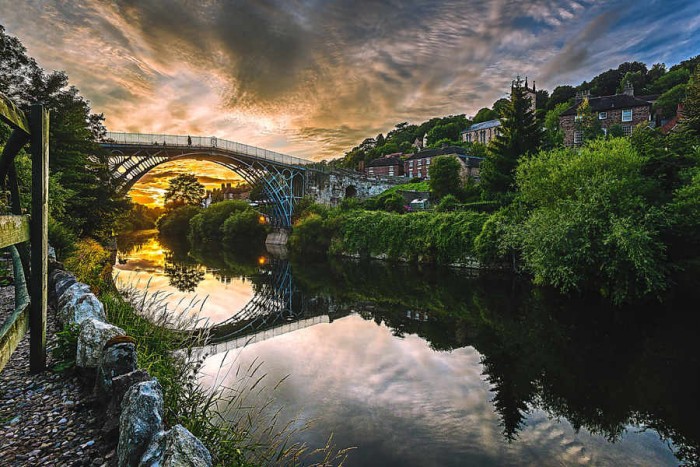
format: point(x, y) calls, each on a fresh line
point(624, 110)
point(418, 164)
point(482, 132)
point(390, 165)
point(226, 192)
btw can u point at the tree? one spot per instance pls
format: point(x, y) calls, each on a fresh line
point(591, 223)
point(519, 135)
point(691, 109)
point(183, 190)
point(667, 103)
point(561, 94)
point(499, 105)
point(440, 132)
point(587, 122)
point(553, 134)
point(445, 176)
point(484, 115)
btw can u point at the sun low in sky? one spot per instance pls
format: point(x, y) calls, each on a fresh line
point(313, 79)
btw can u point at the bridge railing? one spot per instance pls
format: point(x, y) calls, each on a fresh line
point(200, 142)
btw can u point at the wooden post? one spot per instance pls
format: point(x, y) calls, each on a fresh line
point(39, 125)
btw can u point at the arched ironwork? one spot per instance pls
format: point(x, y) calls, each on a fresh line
point(283, 177)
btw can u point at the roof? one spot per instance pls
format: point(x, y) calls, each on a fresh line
point(650, 97)
point(439, 152)
point(604, 103)
point(385, 161)
point(483, 125)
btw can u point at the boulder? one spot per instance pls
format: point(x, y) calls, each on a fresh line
point(93, 336)
point(59, 282)
point(176, 447)
point(118, 358)
point(119, 385)
point(71, 294)
point(140, 420)
point(84, 307)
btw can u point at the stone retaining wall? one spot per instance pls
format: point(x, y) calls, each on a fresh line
point(133, 399)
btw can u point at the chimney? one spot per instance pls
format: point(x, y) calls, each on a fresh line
point(629, 89)
point(228, 185)
point(222, 186)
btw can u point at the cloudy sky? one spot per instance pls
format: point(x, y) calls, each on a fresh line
point(312, 78)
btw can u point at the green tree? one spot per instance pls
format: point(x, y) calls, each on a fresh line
point(183, 190)
point(691, 105)
point(175, 224)
point(206, 227)
point(561, 95)
point(445, 176)
point(484, 115)
point(587, 122)
point(591, 224)
point(519, 135)
point(449, 131)
point(553, 134)
point(243, 228)
point(667, 104)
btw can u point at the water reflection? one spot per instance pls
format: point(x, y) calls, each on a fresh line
point(417, 351)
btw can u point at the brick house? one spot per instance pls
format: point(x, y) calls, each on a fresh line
point(624, 110)
point(390, 165)
point(418, 164)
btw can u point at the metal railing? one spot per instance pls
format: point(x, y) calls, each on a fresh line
point(201, 142)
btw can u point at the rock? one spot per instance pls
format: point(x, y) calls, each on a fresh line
point(70, 295)
point(176, 447)
point(117, 359)
point(84, 306)
point(140, 420)
point(59, 281)
point(119, 386)
point(52, 253)
point(91, 341)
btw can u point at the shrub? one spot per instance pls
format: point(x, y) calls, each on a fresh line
point(206, 227)
point(311, 236)
point(243, 228)
point(176, 223)
point(62, 238)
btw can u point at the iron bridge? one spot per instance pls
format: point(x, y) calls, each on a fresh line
point(284, 178)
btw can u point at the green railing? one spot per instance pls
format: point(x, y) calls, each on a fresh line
point(19, 232)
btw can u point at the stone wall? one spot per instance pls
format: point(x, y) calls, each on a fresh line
point(331, 189)
point(133, 400)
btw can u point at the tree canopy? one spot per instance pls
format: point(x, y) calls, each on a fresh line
point(183, 190)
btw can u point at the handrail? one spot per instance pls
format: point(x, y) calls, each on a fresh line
point(12, 115)
point(200, 142)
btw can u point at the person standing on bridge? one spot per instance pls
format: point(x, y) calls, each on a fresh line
point(189, 140)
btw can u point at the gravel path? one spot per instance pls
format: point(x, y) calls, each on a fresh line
point(46, 419)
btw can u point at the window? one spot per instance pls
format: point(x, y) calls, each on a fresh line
point(410, 163)
point(578, 118)
point(410, 174)
point(602, 115)
point(626, 130)
point(627, 115)
point(578, 137)
point(427, 162)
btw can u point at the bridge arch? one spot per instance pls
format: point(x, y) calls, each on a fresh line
point(283, 178)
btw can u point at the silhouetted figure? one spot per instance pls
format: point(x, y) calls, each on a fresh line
point(189, 141)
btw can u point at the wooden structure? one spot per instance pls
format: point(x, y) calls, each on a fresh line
point(17, 229)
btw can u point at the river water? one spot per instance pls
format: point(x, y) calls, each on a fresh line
point(432, 367)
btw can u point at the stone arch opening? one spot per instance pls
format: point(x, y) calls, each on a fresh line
point(351, 191)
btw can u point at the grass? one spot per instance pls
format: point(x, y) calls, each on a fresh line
point(236, 422)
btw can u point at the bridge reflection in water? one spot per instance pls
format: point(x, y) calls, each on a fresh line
point(277, 308)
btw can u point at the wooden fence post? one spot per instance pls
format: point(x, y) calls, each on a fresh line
point(39, 124)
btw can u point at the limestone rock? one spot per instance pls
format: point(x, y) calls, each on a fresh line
point(52, 253)
point(59, 282)
point(84, 306)
point(176, 447)
point(118, 359)
point(71, 294)
point(140, 420)
point(91, 340)
point(119, 385)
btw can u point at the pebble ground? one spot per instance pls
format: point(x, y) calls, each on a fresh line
point(46, 419)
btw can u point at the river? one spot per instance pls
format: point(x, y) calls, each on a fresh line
point(418, 366)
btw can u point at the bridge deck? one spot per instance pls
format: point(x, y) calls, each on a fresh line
point(211, 143)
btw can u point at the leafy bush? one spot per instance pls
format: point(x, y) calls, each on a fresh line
point(311, 236)
point(590, 223)
point(448, 203)
point(62, 238)
point(206, 227)
point(243, 227)
point(92, 264)
point(176, 223)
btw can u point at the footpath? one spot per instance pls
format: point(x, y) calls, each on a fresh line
point(46, 419)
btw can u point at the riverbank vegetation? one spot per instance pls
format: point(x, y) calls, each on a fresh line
point(617, 216)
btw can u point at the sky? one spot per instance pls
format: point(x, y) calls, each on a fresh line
point(313, 78)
